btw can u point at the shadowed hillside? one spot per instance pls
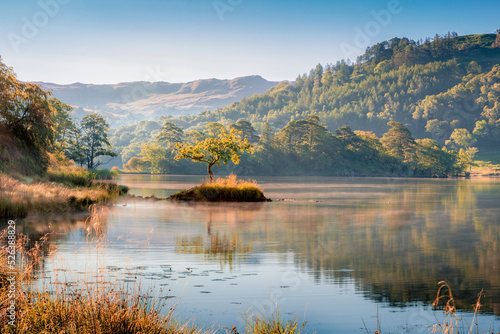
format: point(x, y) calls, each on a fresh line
point(127, 103)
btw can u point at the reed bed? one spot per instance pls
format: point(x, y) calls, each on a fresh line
point(260, 324)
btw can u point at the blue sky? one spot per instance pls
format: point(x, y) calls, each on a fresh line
point(108, 41)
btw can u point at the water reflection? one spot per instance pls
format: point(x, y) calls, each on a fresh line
point(399, 245)
point(394, 239)
point(38, 235)
point(225, 249)
point(397, 239)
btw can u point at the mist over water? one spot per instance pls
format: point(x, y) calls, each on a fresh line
point(334, 251)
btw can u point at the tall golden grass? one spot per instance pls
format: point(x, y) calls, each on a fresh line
point(451, 323)
point(17, 198)
point(260, 324)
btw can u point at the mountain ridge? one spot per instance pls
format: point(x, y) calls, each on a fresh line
point(128, 102)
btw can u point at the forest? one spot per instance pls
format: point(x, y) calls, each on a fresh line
point(442, 92)
point(404, 108)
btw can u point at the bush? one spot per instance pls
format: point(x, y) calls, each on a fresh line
point(103, 174)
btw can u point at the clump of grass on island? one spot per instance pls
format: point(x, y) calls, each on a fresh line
point(223, 190)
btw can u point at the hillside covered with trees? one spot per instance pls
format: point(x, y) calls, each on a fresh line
point(336, 119)
point(433, 87)
point(306, 147)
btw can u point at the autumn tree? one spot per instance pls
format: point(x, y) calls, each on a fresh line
point(214, 151)
point(64, 127)
point(26, 116)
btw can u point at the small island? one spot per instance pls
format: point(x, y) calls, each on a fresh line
point(223, 190)
point(226, 146)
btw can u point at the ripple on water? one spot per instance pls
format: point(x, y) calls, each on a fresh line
point(139, 268)
point(127, 280)
point(167, 297)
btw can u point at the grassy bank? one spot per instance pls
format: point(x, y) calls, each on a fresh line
point(487, 163)
point(223, 190)
point(59, 192)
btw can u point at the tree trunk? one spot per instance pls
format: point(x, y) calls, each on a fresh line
point(210, 172)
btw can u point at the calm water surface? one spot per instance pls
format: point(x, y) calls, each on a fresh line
point(333, 251)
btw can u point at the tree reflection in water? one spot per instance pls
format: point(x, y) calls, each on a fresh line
point(226, 248)
point(396, 246)
point(395, 241)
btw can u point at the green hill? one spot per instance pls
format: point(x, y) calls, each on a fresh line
point(446, 89)
point(432, 87)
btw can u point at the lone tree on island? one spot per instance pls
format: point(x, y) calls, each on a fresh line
point(214, 151)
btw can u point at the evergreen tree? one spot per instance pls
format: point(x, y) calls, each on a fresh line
point(399, 143)
point(247, 131)
point(170, 134)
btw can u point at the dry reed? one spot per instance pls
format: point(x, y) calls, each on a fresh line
point(17, 199)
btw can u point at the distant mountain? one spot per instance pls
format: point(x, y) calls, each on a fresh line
point(127, 103)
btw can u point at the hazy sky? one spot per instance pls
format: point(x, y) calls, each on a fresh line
point(109, 41)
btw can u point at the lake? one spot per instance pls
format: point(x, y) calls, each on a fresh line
point(339, 253)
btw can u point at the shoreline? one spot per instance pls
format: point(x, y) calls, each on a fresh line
point(20, 199)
